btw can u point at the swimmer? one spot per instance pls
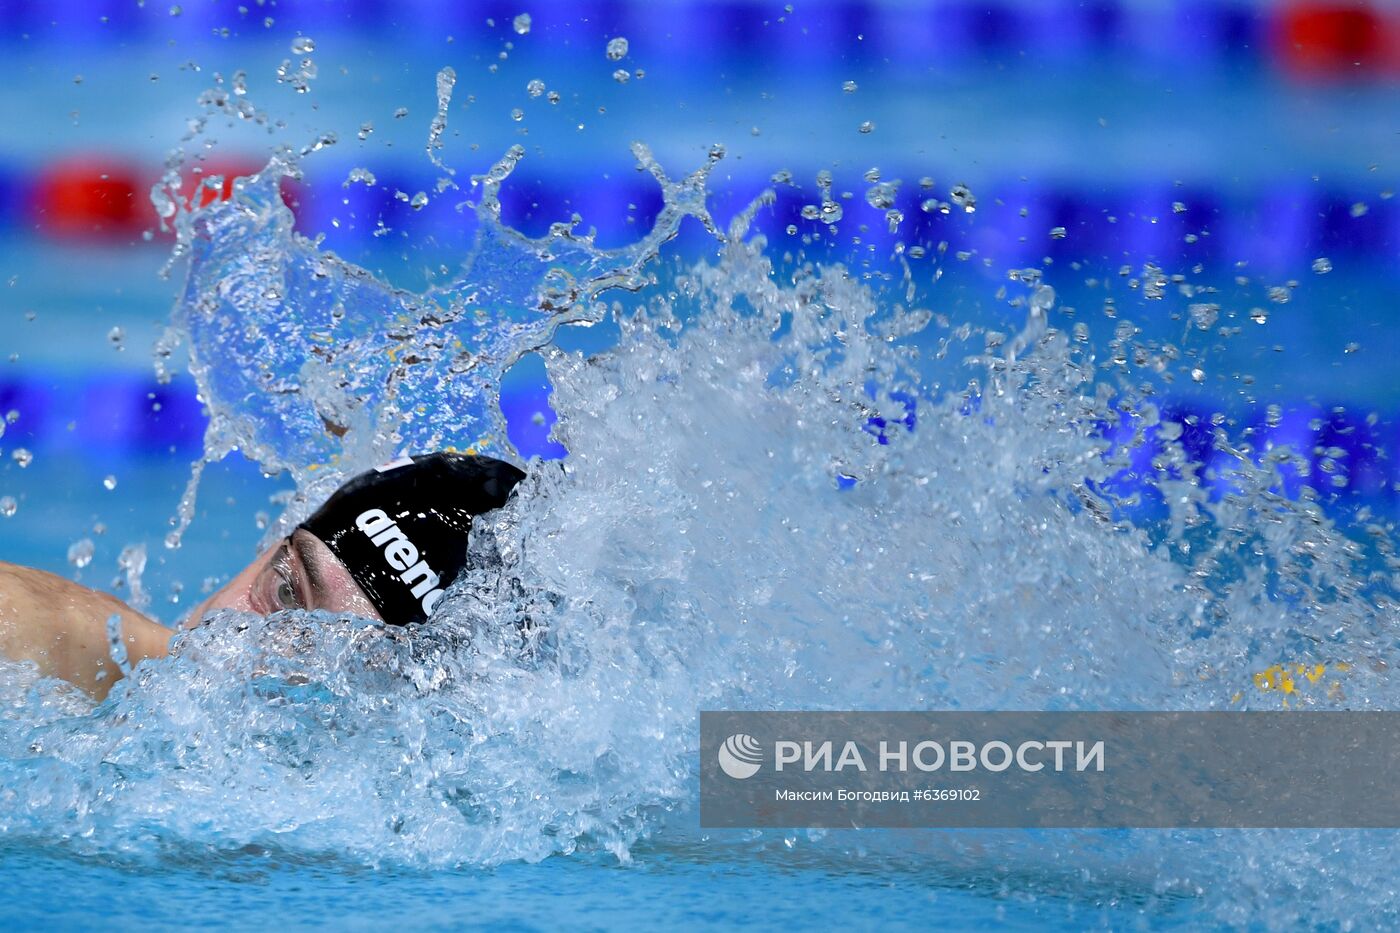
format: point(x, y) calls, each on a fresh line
point(384, 546)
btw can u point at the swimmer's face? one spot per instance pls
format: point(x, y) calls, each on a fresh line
point(299, 572)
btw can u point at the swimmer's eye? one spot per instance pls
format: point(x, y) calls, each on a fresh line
point(281, 590)
point(287, 595)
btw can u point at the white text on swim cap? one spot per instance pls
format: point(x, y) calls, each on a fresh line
point(402, 555)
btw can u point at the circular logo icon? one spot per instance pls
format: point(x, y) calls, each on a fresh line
point(740, 756)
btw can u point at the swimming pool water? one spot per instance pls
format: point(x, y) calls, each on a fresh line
point(765, 889)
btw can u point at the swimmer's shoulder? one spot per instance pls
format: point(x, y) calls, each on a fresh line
point(20, 582)
point(39, 590)
point(62, 627)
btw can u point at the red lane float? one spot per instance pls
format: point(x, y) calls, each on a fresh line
point(85, 198)
point(92, 198)
point(1334, 40)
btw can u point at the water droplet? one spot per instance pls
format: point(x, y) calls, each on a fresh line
point(1279, 295)
point(1154, 282)
point(400, 113)
point(109, 482)
point(1178, 207)
point(552, 97)
point(361, 175)
point(80, 553)
point(521, 24)
point(849, 87)
point(115, 336)
point(792, 229)
point(868, 126)
point(1058, 233)
point(535, 88)
point(881, 196)
point(22, 456)
point(8, 506)
point(365, 130)
point(132, 561)
point(1322, 265)
point(303, 45)
point(517, 114)
point(617, 49)
point(12, 415)
point(1199, 375)
point(176, 10)
point(1204, 316)
point(1351, 347)
point(1360, 209)
point(419, 201)
point(1258, 315)
point(299, 77)
point(962, 196)
point(621, 76)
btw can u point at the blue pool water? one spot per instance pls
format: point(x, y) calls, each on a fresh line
point(806, 469)
point(661, 889)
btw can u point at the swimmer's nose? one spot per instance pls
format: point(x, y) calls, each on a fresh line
point(236, 594)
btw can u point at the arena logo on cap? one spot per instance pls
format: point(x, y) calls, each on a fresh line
point(394, 465)
point(402, 555)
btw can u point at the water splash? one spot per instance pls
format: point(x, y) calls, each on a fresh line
point(359, 370)
point(446, 81)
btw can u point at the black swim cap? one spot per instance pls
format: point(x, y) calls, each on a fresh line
point(401, 529)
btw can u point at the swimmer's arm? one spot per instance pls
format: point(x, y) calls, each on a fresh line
point(62, 627)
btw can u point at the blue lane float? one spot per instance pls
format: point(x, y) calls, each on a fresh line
point(965, 33)
point(133, 416)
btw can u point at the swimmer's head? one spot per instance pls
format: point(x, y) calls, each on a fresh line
point(385, 546)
